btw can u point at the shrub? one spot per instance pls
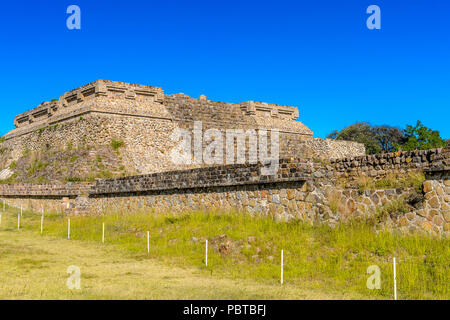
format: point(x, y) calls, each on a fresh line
point(395, 207)
point(36, 165)
point(13, 165)
point(26, 152)
point(41, 179)
point(105, 174)
point(116, 144)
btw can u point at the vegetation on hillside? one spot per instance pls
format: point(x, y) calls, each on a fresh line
point(72, 163)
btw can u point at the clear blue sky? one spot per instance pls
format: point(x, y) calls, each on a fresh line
point(316, 55)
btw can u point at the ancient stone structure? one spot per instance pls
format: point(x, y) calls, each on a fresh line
point(144, 118)
point(318, 181)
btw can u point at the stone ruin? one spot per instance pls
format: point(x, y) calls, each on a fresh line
point(144, 118)
point(318, 180)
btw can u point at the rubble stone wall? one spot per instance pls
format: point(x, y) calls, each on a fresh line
point(300, 190)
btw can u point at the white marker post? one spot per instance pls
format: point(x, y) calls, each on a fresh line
point(68, 229)
point(103, 233)
point(395, 281)
point(148, 241)
point(281, 280)
point(42, 223)
point(206, 253)
point(18, 221)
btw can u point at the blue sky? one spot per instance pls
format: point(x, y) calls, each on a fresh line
point(316, 55)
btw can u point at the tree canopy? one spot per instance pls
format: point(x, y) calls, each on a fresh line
point(422, 138)
point(384, 138)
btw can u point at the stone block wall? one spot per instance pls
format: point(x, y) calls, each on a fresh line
point(379, 165)
point(436, 208)
point(300, 190)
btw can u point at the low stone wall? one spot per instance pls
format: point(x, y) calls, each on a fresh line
point(379, 165)
point(36, 204)
point(300, 190)
point(46, 189)
point(229, 175)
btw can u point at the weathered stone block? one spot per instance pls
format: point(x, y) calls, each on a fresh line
point(427, 186)
point(437, 220)
point(446, 215)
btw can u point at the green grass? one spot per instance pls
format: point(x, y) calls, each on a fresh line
point(36, 165)
point(391, 181)
point(35, 267)
point(318, 257)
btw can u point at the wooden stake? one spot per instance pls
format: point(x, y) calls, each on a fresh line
point(206, 253)
point(395, 281)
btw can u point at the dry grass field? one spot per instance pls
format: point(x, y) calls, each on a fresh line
point(243, 261)
point(34, 267)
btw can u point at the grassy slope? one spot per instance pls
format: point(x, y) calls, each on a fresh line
point(319, 262)
point(71, 163)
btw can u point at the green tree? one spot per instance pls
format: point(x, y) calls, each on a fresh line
point(359, 132)
point(420, 137)
point(388, 138)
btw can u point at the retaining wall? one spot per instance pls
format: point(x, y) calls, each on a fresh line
point(300, 190)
